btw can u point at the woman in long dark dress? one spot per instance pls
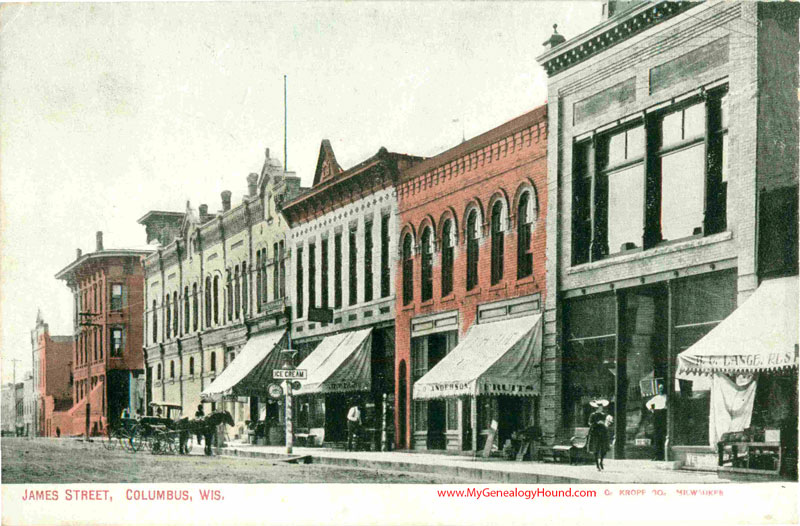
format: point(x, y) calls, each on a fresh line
point(598, 433)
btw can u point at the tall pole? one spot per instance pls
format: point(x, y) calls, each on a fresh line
point(14, 392)
point(290, 364)
point(285, 120)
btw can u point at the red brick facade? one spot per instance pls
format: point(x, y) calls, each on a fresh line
point(52, 359)
point(500, 165)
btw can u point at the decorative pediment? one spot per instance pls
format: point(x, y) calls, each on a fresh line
point(327, 167)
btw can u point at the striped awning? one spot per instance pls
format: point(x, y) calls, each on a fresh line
point(341, 363)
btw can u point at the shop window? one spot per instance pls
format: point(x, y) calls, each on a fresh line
point(385, 271)
point(368, 277)
point(452, 414)
point(117, 342)
point(448, 249)
point(678, 190)
point(353, 299)
point(525, 218)
point(324, 272)
point(427, 264)
point(498, 245)
point(473, 233)
point(299, 282)
point(337, 271)
point(116, 296)
point(408, 270)
point(312, 275)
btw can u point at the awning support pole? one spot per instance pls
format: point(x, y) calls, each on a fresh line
point(473, 422)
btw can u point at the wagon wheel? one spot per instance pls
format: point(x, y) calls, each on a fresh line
point(110, 440)
point(172, 442)
point(136, 440)
point(156, 444)
point(189, 444)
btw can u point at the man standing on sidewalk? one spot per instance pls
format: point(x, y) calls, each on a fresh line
point(353, 425)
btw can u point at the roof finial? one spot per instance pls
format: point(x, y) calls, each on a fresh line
point(555, 39)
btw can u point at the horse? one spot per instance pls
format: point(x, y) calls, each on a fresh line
point(206, 426)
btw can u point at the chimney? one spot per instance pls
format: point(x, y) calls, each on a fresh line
point(99, 241)
point(267, 153)
point(78, 253)
point(203, 213)
point(555, 39)
point(252, 184)
point(226, 200)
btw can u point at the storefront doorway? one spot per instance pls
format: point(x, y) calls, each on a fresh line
point(431, 417)
point(510, 415)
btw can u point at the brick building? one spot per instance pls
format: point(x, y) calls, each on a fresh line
point(472, 255)
point(674, 141)
point(52, 379)
point(343, 248)
point(215, 284)
point(107, 362)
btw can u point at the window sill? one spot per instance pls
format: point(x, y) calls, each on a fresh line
point(447, 299)
point(527, 280)
point(667, 247)
point(499, 286)
point(474, 292)
point(409, 307)
point(426, 303)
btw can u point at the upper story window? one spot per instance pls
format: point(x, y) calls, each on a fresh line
point(427, 264)
point(117, 342)
point(186, 309)
point(116, 296)
point(168, 324)
point(472, 249)
point(191, 366)
point(324, 271)
point(312, 275)
point(175, 314)
point(299, 282)
point(657, 180)
point(353, 296)
point(212, 363)
point(229, 294)
point(172, 369)
point(195, 312)
point(525, 213)
point(337, 270)
point(158, 372)
point(408, 270)
point(368, 277)
point(385, 271)
point(448, 252)
point(208, 306)
point(155, 321)
point(215, 298)
point(237, 293)
point(498, 245)
point(245, 288)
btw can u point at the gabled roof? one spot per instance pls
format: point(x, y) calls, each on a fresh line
point(327, 167)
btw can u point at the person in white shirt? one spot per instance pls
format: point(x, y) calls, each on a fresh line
point(353, 425)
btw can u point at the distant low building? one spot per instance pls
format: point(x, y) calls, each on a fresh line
point(51, 380)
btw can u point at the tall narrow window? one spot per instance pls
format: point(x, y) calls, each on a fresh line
point(259, 278)
point(158, 372)
point(282, 260)
point(100, 342)
point(237, 293)
point(524, 255)
point(229, 294)
point(368, 277)
point(208, 306)
point(191, 366)
point(408, 270)
point(171, 369)
point(385, 272)
point(498, 245)
point(116, 296)
point(245, 289)
point(168, 324)
point(275, 272)
point(472, 250)
point(299, 284)
point(581, 206)
point(427, 264)
point(324, 272)
point(195, 301)
point(212, 363)
point(175, 314)
point(117, 342)
point(155, 321)
point(448, 244)
point(715, 219)
point(622, 189)
point(353, 267)
point(216, 300)
point(337, 271)
point(312, 275)
point(186, 311)
point(264, 278)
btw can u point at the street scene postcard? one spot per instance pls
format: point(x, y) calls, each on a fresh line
point(402, 263)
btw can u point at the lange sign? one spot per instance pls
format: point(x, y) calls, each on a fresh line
point(290, 374)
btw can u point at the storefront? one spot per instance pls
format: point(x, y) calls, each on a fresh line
point(488, 382)
point(743, 374)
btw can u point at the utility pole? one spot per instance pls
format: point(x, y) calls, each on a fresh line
point(285, 125)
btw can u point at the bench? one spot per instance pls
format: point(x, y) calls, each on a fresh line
point(573, 451)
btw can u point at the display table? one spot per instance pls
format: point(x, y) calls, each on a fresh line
point(759, 457)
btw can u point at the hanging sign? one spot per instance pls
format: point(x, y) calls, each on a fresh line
point(274, 391)
point(290, 374)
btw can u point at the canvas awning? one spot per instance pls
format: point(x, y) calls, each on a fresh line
point(250, 372)
point(501, 357)
point(760, 335)
point(340, 363)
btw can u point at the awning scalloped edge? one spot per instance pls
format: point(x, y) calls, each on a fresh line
point(707, 371)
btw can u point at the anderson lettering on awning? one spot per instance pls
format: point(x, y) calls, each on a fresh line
point(501, 357)
point(250, 372)
point(760, 335)
point(340, 363)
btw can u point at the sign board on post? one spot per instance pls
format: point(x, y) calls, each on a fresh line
point(320, 315)
point(290, 374)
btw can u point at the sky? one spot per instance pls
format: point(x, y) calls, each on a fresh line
point(110, 110)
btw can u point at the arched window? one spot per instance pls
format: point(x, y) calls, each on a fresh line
point(171, 369)
point(208, 301)
point(524, 220)
point(216, 300)
point(175, 314)
point(427, 264)
point(472, 250)
point(237, 293)
point(191, 366)
point(213, 361)
point(229, 295)
point(408, 270)
point(194, 306)
point(168, 324)
point(158, 374)
point(245, 289)
point(264, 280)
point(448, 244)
point(155, 321)
point(498, 244)
point(186, 311)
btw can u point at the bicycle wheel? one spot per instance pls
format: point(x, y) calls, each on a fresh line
point(110, 440)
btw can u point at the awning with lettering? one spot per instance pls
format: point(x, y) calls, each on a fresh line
point(250, 372)
point(502, 357)
point(341, 363)
point(760, 335)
